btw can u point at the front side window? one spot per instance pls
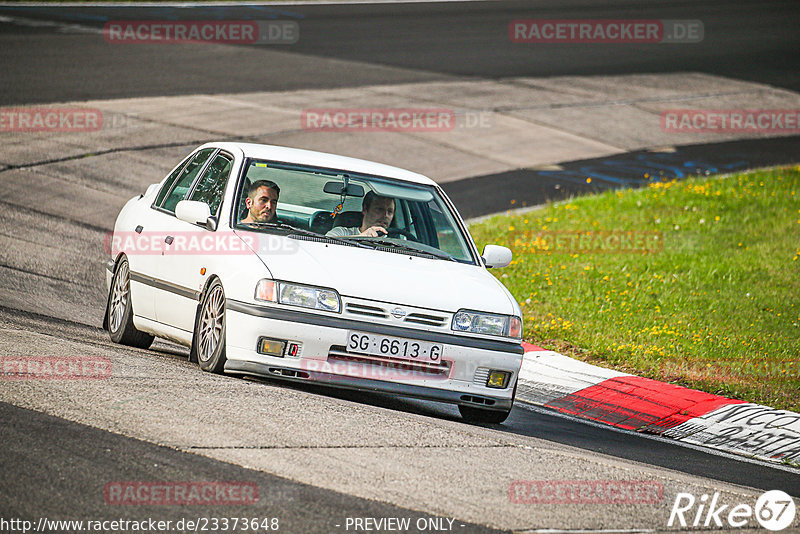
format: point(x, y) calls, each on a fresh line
point(339, 205)
point(211, 185)
point(179, 188)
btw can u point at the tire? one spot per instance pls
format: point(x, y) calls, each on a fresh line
point(472, 414)
point(119, 313)
point(208, 342)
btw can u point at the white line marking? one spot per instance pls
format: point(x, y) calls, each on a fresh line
point(604, 531)
point(35, 23)
point(226, 4)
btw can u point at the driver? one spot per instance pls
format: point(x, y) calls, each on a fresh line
point(377, 214)
point(261, 202)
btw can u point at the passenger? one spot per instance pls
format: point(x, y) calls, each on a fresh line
point(262, 202)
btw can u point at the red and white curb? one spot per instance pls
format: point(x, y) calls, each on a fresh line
point(634, 403)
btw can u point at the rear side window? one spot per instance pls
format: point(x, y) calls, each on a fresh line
point(169, 181)
point(180, 185)
point(211, 185)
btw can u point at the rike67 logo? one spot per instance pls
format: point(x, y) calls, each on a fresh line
point(774, 510)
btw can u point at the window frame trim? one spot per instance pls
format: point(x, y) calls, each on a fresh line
point(214, 152)
point(200, 175)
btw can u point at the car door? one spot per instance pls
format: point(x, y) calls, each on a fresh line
point(155, 224)
point(191, 244)
point(142, 242)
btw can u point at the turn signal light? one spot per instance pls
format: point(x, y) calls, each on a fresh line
point(265, 290)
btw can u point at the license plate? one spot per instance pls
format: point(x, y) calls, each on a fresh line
point(394, 347)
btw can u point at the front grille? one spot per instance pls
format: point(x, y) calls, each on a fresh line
point(427, 320)
point(363, 309)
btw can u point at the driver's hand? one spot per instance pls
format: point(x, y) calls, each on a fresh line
point(374, 231)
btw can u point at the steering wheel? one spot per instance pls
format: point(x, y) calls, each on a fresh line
point(394, 232)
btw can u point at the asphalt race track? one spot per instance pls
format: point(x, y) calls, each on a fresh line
point(321, 458)
point(383, 43)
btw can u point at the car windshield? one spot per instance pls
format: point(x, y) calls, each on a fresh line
point(331, 204)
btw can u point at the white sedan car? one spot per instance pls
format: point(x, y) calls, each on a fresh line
point(306, 266)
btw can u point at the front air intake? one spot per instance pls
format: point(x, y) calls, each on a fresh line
point(288, 373)
point(472, 399)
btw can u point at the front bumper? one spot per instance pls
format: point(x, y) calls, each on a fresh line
point(460, 379)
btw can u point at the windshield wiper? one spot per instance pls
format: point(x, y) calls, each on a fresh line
point(380, 241)
point(303, 231)
point(281, 226)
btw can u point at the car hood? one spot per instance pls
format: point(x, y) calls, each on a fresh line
point(389, 277)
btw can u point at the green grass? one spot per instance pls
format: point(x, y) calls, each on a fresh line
point(713, 304)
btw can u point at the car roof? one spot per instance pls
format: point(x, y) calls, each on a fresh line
point(322, 159)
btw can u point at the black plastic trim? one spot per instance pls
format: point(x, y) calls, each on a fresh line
point(367, 384)
point(165, 286)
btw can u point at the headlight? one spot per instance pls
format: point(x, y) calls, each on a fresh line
point(317, 298)
point(487, 323)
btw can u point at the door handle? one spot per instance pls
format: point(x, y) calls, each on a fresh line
point(169, 239)
point(139, 229)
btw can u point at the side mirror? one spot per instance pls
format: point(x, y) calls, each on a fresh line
point(495, 256)
point(193, 211)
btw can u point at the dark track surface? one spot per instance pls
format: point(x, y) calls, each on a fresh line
point(66, 481)
point(389, 43)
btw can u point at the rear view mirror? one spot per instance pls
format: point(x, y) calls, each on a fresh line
point(337, 188)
